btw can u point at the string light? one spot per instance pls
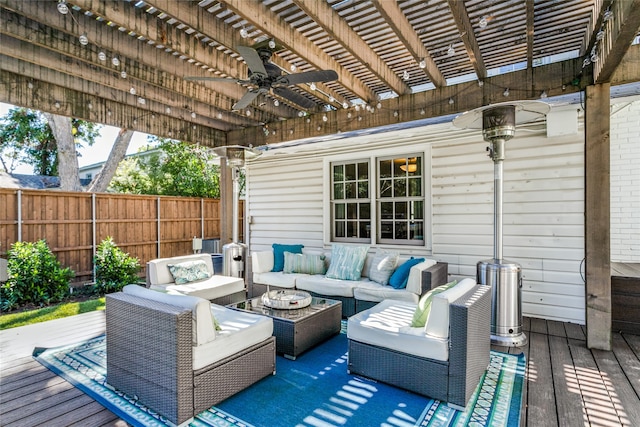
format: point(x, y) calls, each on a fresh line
point(293, 68)
point(543, 95)
point(405, 75)
point(132, 91)
point(167, 110)
point(62, 7)
point(115, 61)
point(123, 74)
point(276, 102)
point(451, 101)
point(272, 44)
point(244, 33)
point(84, 40)
point(422, 64)
point(483, 22)
point(345, 105)
point(506, 92)
point(312, 86)
point(451, 51)
point(102, 56)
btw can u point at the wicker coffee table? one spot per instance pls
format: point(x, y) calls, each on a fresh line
point(297, 330)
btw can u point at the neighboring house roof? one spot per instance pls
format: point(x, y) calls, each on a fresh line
point(28, 181)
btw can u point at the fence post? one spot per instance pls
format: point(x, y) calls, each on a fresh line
point(93, 235)
point(19, 215)
point(201, 218)
point(158, 210)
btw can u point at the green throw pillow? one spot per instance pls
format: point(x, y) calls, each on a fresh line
point(424, 305)
point(304, 263)
point(189, 271)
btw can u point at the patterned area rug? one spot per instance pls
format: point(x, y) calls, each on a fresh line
point(313, 390)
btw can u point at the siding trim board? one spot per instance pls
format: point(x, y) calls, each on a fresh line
point(543, 202)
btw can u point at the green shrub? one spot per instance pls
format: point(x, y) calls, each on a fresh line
point(114, 268)
point(35, 276)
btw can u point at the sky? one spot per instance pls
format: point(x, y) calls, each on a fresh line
point(98, 152)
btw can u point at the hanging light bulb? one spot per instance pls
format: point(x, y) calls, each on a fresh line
point(62, 7)
point(349, 115)
point(193, 115)
point(451, 51)
point(293, 68)
point(141, 100)
point(483, 22)
point(84, 40)
point(276, 102)
point(345, 105)
point(272, 44)
point(395, 113)
point(300, 113)
point(167, 110)
point(332, 99)
point(422, 112)
point(102, 56)
point(506, 92)
point(405, 75)
point(480, 83)
point(378, 106)
point(248, 112)
point(132, 91)
point(219, 115)
point(115, 61)
point(123, 74)
point(594, 55)
point(586, 62)
point(600, 35)
point(56, 105)
point(312, 86)
point(324, 118)
point(244, 33)
point(451, 101)
point(422, 64)
point(543, 95)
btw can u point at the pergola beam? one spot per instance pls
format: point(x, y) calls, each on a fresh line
point(461, 18)
point(23, 91)
point(325, 16)
point(404, 31)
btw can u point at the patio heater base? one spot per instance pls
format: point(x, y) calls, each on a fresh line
point(505, 278)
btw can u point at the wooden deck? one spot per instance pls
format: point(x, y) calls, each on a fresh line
point(567, 384)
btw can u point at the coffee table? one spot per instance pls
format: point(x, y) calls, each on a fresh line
point(297, 330)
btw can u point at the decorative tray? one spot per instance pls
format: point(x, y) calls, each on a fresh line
point(286, 300)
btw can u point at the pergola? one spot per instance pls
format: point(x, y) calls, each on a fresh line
point(123, 63)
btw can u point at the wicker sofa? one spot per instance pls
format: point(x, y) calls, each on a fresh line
point(355, 295)
point(216, 288)
point(444, 360)
point(165, 350)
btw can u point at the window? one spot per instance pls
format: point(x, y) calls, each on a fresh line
point(398, 198)
point(401, 200)
point(351, 203)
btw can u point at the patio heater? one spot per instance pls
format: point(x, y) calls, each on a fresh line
point(234, 253)
point(498, 123)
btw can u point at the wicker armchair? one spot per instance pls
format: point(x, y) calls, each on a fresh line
point(383, 346)
point(150, 355)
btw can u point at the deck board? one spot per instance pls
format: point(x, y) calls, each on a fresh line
point(567, 384)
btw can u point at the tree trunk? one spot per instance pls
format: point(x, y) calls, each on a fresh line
point(67, 154)
point(118, 151)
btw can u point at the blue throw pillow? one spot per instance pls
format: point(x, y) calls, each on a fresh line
point(278, 254)
point(400, 277)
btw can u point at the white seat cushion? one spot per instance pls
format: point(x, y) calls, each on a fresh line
point(388, 325)
point(437, 324)
point(375, 292)
point(277, 278)
point(239, 330)
point(326, 286)
point(209, 289)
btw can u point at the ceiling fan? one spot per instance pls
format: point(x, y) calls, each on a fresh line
point(265, 76)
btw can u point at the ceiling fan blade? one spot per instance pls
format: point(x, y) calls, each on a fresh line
point(294, 97)
point(308, 77)
point(252, 59)
point(245, 100)
point(213, 79)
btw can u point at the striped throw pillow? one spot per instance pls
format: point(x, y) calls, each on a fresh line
point(304, 263)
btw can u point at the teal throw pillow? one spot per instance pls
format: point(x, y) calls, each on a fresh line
point(421, 314)
point(382, 266)
point(278, 254)
point(400, 277)
point(188, 271)
point(304, 263)
point(347, 261)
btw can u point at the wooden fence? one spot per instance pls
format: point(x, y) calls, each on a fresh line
point(73, 224)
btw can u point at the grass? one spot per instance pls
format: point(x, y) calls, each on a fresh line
point(13, 320)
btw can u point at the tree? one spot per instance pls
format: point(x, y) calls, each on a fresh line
point(174, 169)
point(27, 138)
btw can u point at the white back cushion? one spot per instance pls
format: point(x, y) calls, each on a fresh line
point(203, 326)
point(437, 324)
point(262, 262)
point(159, 273)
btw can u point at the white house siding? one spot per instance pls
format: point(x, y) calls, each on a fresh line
point(625, 181)
point(543, 203)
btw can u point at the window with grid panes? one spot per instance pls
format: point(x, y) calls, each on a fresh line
point(400, 199)
point(350, 202)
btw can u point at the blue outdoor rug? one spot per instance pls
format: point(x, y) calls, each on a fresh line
point(314, 390)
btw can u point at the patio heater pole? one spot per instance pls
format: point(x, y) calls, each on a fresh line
point(498, 126)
